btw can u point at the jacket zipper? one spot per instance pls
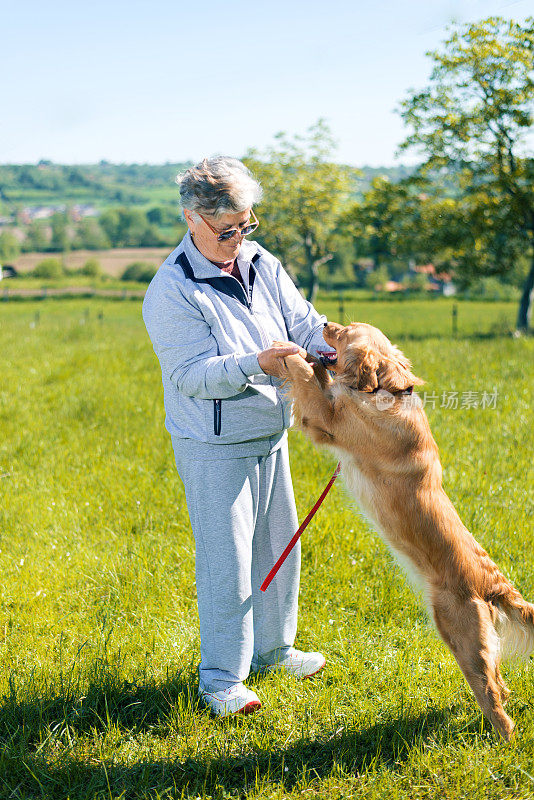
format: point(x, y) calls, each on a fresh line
point(248, 296)
point(258, 324)
point(217, 417)
point(264, 342)
point(263, 339)
point(217, 404)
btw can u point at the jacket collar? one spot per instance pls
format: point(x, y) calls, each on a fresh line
point(202, 267)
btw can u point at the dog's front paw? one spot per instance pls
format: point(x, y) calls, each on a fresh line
point(322, 374)
point(298, 368)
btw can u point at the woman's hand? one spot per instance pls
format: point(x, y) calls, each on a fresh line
point(272, 360)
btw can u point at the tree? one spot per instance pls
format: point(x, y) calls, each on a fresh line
point(90, 236)
point(161, 215)
point(36, 237)
point(127, 227)
point(376, 221)
point(470, 123)
point(304, 193)
point(397, 223)
point(9, 246)
point(60, 234)
point(110, 224)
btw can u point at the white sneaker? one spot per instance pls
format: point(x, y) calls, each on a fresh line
point(302, 665)
point(236, 699)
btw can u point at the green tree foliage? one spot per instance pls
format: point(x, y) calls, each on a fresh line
point(90, 235)
point(35, 238)
point(470, 123)
point(163, 216)
point(396, 224)
point(129, 227)
point(9, 247)
point(88, 182)
point(60, 240)
point(377, 221)
point(304, 195)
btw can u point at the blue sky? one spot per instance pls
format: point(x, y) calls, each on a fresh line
point(172, 81)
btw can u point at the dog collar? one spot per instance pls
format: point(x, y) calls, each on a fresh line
point(409, 390)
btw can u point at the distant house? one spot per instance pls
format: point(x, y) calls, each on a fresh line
point(82, 210)
point(424, 269)
point(79, 211)
point(8, 271)
point(393, 286)
point(437, 282)
point(32, 213)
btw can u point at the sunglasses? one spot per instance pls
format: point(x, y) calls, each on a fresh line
point(243, 230)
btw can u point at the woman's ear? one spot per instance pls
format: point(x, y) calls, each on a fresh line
point(395, 373)
point(360, 368)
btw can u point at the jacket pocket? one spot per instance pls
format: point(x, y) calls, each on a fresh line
point(217, 417)
point(252, 414)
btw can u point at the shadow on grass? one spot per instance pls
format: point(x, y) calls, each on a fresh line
point(134, 707)
point(26, 728)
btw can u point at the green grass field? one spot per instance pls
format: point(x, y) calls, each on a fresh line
point(99, 629)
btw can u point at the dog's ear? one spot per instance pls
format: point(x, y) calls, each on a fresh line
point(360, 368)
point(395, 373)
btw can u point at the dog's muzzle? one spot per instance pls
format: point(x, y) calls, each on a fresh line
point(327, 357)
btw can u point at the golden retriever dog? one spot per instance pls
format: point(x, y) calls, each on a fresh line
point(369, 417)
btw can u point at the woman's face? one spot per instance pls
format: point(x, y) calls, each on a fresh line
point(206, 240)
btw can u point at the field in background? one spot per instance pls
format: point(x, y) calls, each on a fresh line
point(113, 261)
point(99, 629)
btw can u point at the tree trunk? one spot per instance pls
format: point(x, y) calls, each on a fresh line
point(523, 315)
point(313, 285)
point(313, 269)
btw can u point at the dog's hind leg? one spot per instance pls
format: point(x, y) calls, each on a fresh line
point(467, 628)
point(505, 691)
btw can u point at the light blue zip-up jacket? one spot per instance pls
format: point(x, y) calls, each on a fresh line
point(207, 331)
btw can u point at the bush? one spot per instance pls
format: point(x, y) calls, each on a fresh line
point(49, 268)
point(377, 279)
point(91, 268)
point(417, 282)
point(491, 288)
point(139, 271)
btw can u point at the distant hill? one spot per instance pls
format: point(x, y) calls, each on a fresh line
point(394, 174)
point(105, 184)
point(101, 185)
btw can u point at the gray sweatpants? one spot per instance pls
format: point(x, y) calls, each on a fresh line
point(242, 513)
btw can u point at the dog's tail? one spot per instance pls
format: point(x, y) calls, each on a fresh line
point(514, 625)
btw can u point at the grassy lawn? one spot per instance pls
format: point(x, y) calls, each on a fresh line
point(99, 630)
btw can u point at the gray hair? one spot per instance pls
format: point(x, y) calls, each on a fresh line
point(217, 186)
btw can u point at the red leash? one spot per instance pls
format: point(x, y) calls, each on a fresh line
point(300, 531)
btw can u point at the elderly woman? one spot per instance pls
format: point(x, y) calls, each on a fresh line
point(222, 314)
